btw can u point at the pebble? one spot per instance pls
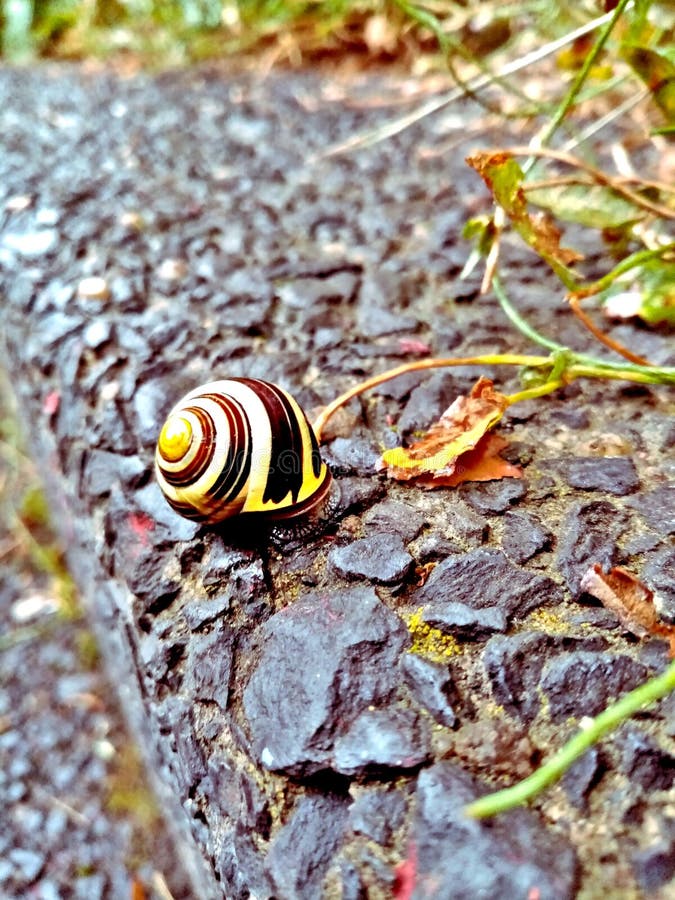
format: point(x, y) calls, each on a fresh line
point(611, 475)
point(447, 844)
point(494, 496)
point(589, 534)
point(324, 639)
point(524, 536)
point(465, 622)
point(301, 852)
point(582, 683)
point(432, 687)
point(393, 516)
point(380, 558)
point(380, 739)
point(485, 578)
point(377, 814)
point(644, 762)
point(657, 507)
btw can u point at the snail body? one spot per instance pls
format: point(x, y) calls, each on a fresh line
point(240, 445)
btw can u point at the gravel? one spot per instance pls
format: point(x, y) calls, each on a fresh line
point(274, 680)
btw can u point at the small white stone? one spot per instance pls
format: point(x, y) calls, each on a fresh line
point(93, 288)
point(33, 606)
point(172, 269)
point(266, 757)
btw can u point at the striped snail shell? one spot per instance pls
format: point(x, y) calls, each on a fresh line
point(240, 446)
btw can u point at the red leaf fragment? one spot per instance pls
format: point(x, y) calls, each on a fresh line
point(405, 875)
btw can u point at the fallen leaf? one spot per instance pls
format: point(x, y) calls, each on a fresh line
point(631, 601)
point(456, 448)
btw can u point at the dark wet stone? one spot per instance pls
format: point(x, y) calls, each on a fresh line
point(357, 493)
point(136, 558)
point(610, 474)
point(351, 883)
point(485, 578)
point(524, 536)
point(575, 417)
point(244, 316)
point(176, 718)
point(209, 666)
point(519, 453)
point(641, 543)
point(55, 327)
point(150, 501)
point(589, 534)
point(302, 850)
point(373, 322)
point(654, 866)
point(581, 777)
point(397, 517)
point(657, 507)
point(202, 612)
point(159, 655)
point(112, 432)
point(516, 855)
point(465, 524)
point(433, 547)
point(464, 621)
point(493, 496)
point(323, 660)
point(351, 456)
point(380, 558)
point(150, 406)
point(514, 665)
point(659, 576)
point(378, 814)
point(582, 683)
point(97, 333)
point(644, 762)
point(382, 739)
point(432, 687)
point(429, 400)
point(305, 293)
point(239, 571)
point(102, 470)
point(399, 388)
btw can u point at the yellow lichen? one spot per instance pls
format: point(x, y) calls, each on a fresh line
point(548, 620)
point(430, 642)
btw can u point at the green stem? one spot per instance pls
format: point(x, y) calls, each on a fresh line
point(581, 364)
point(629, 372)
point(552, 125)
point(520, 323)
point(630, 262)
point(609, 719)
point(532, 393)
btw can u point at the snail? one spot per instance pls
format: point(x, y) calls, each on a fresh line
point(240, 445)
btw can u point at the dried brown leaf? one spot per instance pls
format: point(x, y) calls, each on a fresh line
point(631, 601)
point(456, 448)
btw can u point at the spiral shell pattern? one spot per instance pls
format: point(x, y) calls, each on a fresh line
point(240, 445)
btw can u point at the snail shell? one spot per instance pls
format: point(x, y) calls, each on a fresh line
point(240, 445)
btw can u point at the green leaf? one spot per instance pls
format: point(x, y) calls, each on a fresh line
point(593, 205)
point(657, 72)
point(650, 294)
point(504, 177)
